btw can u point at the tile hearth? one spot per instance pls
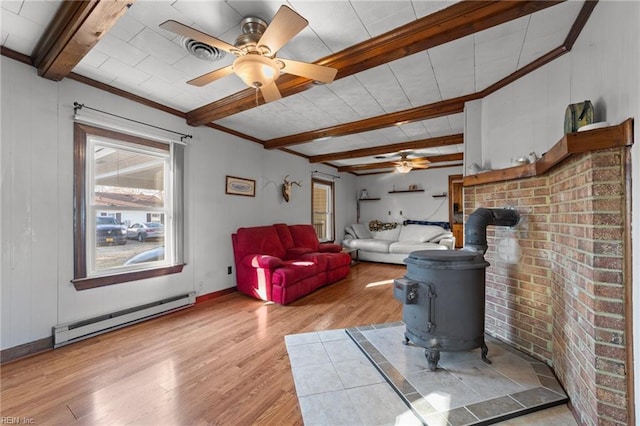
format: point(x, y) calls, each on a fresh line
point(366, 375)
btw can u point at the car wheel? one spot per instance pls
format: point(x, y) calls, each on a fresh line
point(140, 237)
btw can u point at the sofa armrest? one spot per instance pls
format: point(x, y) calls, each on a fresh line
point(262, 261)
point(329, 248)
point(449, 243)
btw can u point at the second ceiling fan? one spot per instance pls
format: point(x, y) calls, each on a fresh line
point(256, 63)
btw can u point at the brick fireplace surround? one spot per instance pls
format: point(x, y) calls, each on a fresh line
point(557, 284)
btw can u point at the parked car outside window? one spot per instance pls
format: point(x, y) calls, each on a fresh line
point(145, 230)
point(109, 231)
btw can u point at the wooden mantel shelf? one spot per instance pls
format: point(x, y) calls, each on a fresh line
point(572, 143)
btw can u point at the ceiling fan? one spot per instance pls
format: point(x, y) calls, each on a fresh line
point(406, 164)
point(256, 63)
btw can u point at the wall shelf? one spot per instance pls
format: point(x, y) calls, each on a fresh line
point(407, 190)
point(439, 195)
point(369, 199)
point(571, 143)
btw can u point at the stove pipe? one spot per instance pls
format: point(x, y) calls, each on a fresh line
point(475, 233)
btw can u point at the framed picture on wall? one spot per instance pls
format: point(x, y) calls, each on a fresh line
point(240, 186)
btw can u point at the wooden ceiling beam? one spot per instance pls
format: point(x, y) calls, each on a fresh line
point(391, 164)
point(457, 21)
point(76, 28)
point(434, 110)
point(386, 149)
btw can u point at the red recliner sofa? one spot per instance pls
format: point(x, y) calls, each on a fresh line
point(282, 263)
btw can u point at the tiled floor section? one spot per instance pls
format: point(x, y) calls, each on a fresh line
point(338, 385)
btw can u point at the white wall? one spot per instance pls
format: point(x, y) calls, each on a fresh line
point(36, 227)
point(603, 67)
point(415, 206)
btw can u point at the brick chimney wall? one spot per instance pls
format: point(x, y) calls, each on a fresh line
point(556, 286)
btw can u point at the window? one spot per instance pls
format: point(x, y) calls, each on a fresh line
point(322, 204)
point(128, 208)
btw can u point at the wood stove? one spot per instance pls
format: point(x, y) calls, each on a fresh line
point(443, 291)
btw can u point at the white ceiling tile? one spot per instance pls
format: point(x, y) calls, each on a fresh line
point(19, 44)
point(40, 12)
point(94, 73)
point(415, 75)
point(508, 46)
point(158, 46)
point(126, 28)
point(453, 64)
point(352, 93)
point(380, 17)
point(438, 127)
point(383, 86)
point(119, 50)
point(23, 31)
point(152, 13)
point(490, 72)
point(125, 73)
point(94, 59)
point(456, 123)
point(213, 17)
point(323, 98)
point(158, 68)
point(335, 22)
point(424, 8)
point(306, 47)
point(12, 6)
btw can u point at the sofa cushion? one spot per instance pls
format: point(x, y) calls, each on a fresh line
point(422, 233)
point(387, 234)
point(407, 247)
point(285, 235)
point(304, 236)
point(360, 230)
point(259, 240)
point(294, 271)
point(380, 246)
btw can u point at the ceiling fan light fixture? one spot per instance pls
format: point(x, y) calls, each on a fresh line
point(405, 167)
point(256, 71)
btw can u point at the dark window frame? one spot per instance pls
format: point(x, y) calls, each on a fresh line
point(81, 281)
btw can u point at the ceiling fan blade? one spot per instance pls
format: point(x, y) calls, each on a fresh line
point(307, 70)
point(284, 26)
point(186, 31)
point(270, 93)
point(211, 76)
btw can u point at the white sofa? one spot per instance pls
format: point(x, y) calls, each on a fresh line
point(394, 245)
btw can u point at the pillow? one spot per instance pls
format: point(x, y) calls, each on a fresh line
point(348, 230)
point(360, 231)
point(420, 233)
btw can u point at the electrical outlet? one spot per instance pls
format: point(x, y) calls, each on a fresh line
point(389, 212)
point(229, 269)
point(400, 212)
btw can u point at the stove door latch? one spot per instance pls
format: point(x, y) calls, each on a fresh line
point(406, 291)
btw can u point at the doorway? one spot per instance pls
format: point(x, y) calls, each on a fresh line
point(456, 208)
point(322, 205)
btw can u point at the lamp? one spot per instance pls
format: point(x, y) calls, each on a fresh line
point(404, 167)
point(256, 70)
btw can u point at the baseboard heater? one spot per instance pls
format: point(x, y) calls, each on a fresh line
point(72, 332)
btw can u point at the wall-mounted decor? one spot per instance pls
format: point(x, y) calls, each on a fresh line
point(240, 186)
point(286, 188)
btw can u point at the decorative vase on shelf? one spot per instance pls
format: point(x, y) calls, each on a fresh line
point(364, 194)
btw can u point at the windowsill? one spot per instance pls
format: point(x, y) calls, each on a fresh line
point(94, 282)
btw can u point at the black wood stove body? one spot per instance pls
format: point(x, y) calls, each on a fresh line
point(443, 292)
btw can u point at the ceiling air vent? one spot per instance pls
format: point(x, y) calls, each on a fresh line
point(202, 50)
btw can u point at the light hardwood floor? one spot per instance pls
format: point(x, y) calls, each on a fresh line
point(221, 362)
